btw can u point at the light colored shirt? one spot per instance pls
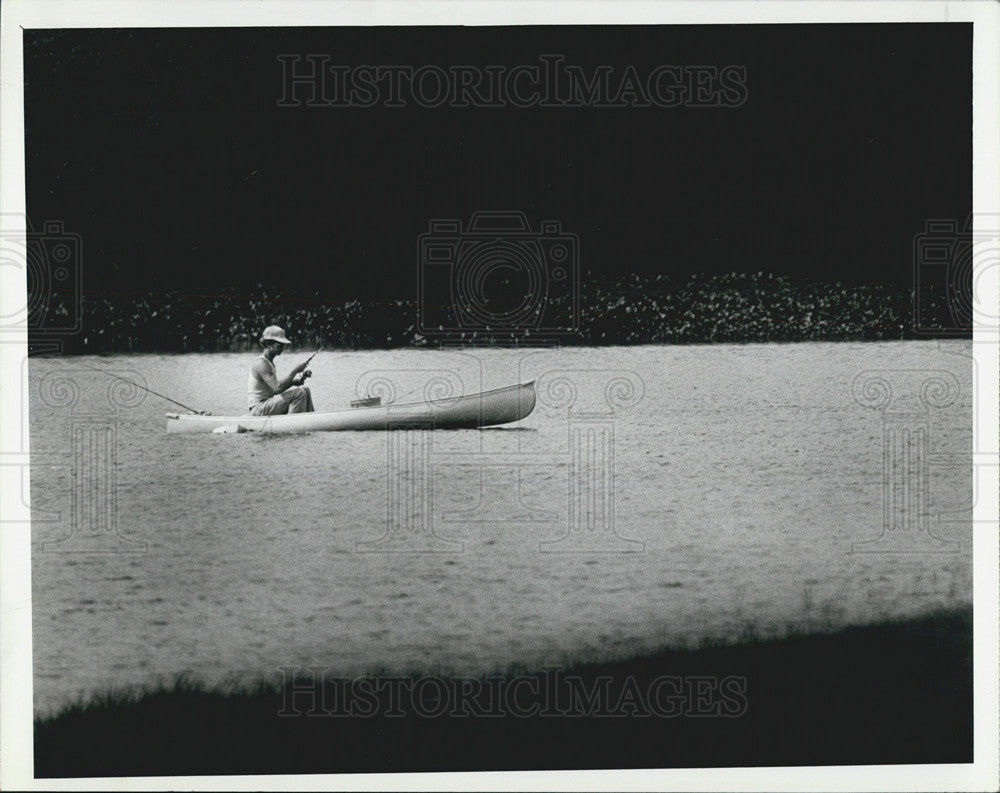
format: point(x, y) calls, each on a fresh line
point(262, 383)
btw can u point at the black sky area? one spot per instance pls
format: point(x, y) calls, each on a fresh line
point(166, 150)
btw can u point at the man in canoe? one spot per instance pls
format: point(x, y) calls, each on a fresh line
point(266, 394)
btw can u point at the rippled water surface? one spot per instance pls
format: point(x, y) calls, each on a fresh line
point(656, 495)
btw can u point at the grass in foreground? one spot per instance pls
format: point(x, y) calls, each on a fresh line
point(896, 692)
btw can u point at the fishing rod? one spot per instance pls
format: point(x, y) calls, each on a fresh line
point(396, 399)
point(150, 390)
point(305, 372)
point(314, 355)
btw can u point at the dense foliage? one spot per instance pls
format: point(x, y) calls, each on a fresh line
point(738, 307)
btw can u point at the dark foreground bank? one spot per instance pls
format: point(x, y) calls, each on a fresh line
point(733, 308)
point(897, 692)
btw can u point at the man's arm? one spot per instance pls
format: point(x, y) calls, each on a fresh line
point(293, 378)
point(277, 386)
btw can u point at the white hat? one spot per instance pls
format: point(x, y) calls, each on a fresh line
point(274, 333)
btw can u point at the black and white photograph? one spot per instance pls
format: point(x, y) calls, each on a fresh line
point(606, 394)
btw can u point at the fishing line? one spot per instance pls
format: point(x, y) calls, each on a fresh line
point(150, 390)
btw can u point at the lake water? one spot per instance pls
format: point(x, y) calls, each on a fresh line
point(656, 495)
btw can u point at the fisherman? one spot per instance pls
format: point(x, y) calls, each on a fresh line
point(266, 394)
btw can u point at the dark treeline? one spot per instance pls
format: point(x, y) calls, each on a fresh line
point(732, 308)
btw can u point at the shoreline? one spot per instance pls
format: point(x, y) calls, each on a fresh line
point(736, 308)
point(899, 691)
point(297, 350)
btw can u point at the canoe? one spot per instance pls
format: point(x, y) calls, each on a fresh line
point(485, 409)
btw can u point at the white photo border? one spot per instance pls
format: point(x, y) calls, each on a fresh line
point(16, 770)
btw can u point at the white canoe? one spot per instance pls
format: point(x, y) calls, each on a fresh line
point(485, 409)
